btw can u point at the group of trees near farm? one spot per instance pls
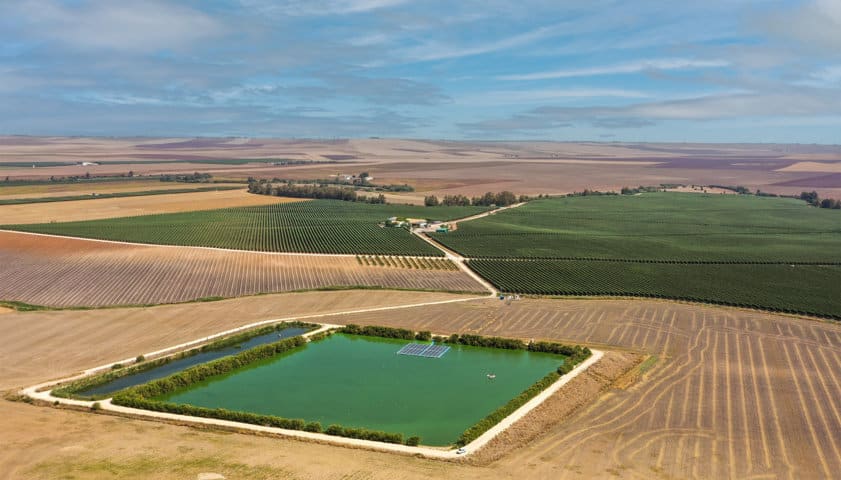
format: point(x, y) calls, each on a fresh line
point(501, 199)
point(317, 191)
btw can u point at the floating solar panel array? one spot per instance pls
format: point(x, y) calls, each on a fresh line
point(424, 350)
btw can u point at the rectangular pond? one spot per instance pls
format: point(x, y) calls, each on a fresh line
point(362, 382)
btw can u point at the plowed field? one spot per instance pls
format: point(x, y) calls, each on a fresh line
point(65, 272)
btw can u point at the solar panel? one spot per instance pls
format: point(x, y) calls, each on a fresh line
point(423, 350)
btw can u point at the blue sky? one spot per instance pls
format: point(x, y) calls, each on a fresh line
point(637, 70)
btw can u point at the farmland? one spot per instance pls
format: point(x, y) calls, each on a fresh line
point(768, 253)
point(321, 226)
point(809, 289)
point(657, 226)
point(68, 272)
point(81, 210)
point(59, 189)
point(730, 394)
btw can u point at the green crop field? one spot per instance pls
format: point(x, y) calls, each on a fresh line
point(770, 253)
point(807, 289)
point(320, 226)
point(657, 226)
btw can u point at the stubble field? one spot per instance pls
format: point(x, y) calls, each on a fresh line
point(445, 167)
point(730, 394)
point(79, 210)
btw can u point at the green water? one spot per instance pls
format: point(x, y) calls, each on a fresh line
point(361, 382)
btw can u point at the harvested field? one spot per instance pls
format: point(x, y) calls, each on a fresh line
point(52, 344)
point(732, 394)
point(48, 190)
point(471, 168)
point(827, 167)
point(78, 210)
point(67, 272)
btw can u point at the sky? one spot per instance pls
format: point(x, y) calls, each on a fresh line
point(603, 70)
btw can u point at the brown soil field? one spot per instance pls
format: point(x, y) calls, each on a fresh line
point(39, 342)
point(64, 272)
point(732, 394)
point(70, 189)
point(450, 167)
point(824, 167)
point(132, 206)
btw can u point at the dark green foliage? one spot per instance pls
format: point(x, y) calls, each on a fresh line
point(314, 427)
point(802, 289)
point(745, 250)
point(424, 336)
point(318, 226)
point(190, 178)
point(688, 227)
point(364, 434)
point(489, 342)
point(501, 199)
point(413, 441)
point(383, 332)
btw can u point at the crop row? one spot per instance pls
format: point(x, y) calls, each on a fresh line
point(417, 263)
point(661, 227)
point(805, 289)
point(311, 227)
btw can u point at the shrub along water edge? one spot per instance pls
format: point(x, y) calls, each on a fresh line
point(71, 389)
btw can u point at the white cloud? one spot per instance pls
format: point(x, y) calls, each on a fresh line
point(622, 68)
point(318, 7)
point(817, 24)
point(442, 51)
point(124, 26)
point(513, 97)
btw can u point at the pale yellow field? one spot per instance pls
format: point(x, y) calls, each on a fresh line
point(131, 206)
point(71, 189)
point(821, 167)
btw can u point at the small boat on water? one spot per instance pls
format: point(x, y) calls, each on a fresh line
point(491, 376)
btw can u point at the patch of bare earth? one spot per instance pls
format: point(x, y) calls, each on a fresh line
point(72, 189)
point(546, 418)
point(76, 210)
point(43, 345)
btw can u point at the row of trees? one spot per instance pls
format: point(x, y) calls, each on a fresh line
point(501, 199)
point(332, 192)
point(189, 178)
point(812, 198)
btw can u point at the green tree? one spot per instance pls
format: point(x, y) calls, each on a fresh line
point(429, 201)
